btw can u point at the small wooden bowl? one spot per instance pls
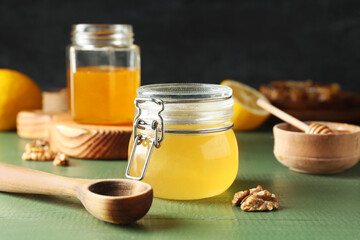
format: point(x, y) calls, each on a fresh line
point(317, 153)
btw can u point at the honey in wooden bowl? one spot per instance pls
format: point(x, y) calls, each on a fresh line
point(315, 153)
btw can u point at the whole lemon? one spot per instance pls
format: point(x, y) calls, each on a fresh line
point(17, 92)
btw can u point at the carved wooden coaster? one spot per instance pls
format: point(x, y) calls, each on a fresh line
point(74, 139)
point(34, 124)
point(89, 141)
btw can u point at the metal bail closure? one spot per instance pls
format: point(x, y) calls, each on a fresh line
point(138, 138)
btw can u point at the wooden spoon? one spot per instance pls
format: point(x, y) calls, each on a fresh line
point(313, 128)
point(117, 201)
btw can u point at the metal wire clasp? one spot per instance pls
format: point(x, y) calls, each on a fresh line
point(138, 138)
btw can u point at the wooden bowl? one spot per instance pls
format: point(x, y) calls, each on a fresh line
point(317, 153)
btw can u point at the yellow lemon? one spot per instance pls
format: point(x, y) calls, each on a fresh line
point(247, 114)
point(17, 92)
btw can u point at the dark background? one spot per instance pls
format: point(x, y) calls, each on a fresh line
point(195, 41)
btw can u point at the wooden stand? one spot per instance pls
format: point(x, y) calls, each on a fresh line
point(74, 139)
point(89, 141)
point(34, 124)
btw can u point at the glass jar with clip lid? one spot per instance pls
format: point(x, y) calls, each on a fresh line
point(183, 143)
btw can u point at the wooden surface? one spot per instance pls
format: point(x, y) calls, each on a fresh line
point(89, 141)
point(311, 206)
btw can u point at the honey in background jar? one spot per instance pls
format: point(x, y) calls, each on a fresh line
point(103, 74)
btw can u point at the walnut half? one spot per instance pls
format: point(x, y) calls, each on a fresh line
point(38, 151)
point(61, 160)
point(256, 199)
point(239, 196)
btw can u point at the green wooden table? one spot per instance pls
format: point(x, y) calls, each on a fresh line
point(311, 206)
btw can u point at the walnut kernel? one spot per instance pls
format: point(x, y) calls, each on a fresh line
point(239, 196)
point(255, 190)
point(257, 199)
point(61, 160)
point(38, 151)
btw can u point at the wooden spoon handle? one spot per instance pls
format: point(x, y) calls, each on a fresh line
point(282, 115)
point(23, 180)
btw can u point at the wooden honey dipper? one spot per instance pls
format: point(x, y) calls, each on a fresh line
point(313, 128)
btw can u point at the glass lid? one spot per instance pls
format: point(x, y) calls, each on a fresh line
point(185, 92)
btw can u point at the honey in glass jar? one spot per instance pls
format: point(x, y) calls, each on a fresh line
point(183, 144)
point(103, 73)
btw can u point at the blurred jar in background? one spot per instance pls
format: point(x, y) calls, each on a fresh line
point(103, 73)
